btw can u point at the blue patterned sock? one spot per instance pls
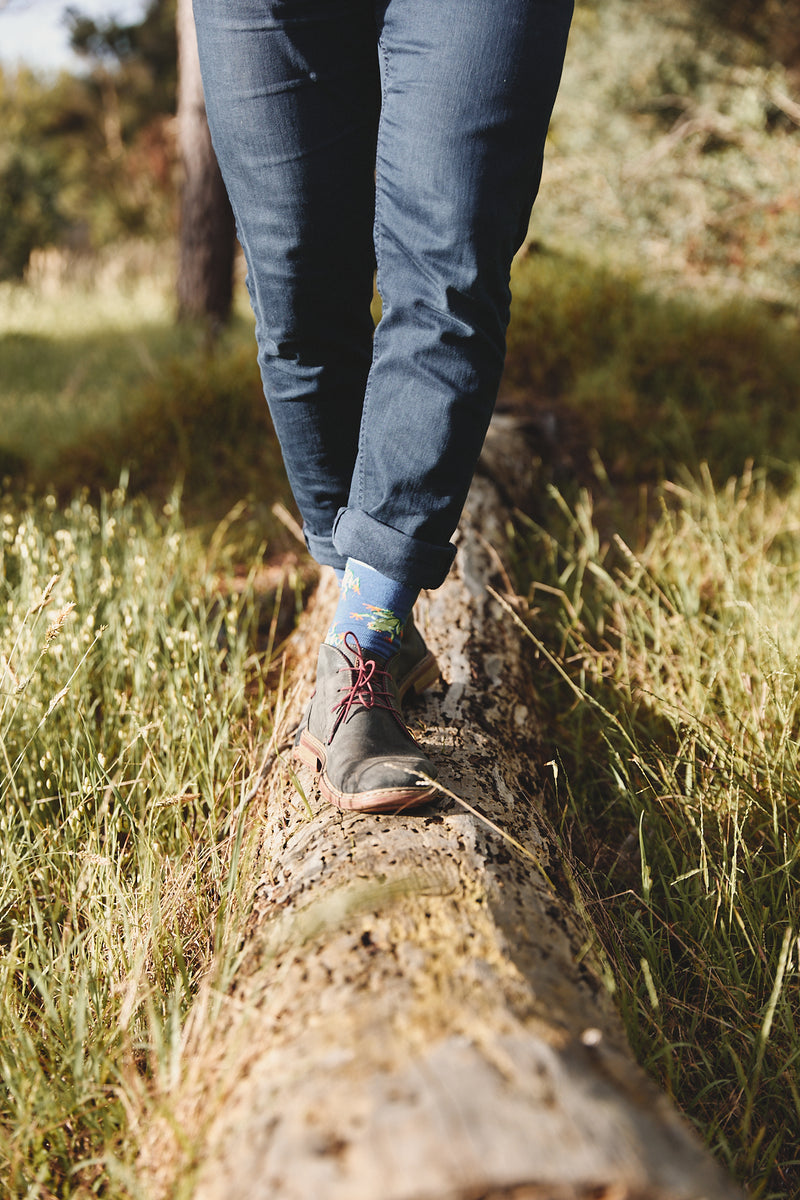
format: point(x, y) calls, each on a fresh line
point(373, 607)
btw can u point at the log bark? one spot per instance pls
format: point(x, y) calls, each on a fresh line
point(418, 1014)
point(207, 234)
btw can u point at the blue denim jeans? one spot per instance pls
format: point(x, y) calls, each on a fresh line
point(406, 134)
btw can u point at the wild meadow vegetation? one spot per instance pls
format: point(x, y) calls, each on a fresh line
point(131, 701)
point(668, 682)
point(654, 347)
point(660, 575)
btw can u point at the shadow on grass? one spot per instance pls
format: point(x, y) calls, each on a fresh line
point(603, 367)
point(152, 404)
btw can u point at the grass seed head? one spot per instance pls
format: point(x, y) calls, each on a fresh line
point(46, 596)
point(58, 624)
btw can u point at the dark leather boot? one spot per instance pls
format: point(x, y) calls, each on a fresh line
point(414, 665)
point(355, 737)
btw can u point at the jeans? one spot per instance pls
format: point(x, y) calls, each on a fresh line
point(402, 134)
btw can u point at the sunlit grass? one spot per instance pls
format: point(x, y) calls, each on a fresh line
point(671, 699)
point(97, 385)
point(131, 696)
point(68, 358)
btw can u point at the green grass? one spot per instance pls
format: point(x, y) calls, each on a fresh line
point(654, 350)
point(131, 697)
point(700, 382)
point(69, 361)
point(668, 678)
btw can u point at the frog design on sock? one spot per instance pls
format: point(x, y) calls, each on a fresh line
point(373, 605)
point(385, 621)
point(351, 584)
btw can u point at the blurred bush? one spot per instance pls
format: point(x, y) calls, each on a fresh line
point(774, 24)
point(674, 152)
point(87, 159)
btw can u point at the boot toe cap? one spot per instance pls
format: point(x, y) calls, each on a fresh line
point(378, 774)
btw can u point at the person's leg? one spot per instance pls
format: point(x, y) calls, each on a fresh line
point(467, 92)
point(468, 87)
point(292, 96)
point(466, 97)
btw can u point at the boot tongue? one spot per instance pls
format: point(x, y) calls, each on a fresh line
point(379, 660)
point(352, 648)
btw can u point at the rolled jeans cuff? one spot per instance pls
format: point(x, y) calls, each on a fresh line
point(407, 560)
point(323, 551)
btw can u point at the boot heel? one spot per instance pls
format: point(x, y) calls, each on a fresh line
point(427, 678)
point(307, 755)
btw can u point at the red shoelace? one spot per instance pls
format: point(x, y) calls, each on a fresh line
point(371, 687)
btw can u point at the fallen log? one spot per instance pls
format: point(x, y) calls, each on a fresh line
point(418, 1013)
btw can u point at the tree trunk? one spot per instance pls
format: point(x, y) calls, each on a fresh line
point(418, 1014)
point(207, 234)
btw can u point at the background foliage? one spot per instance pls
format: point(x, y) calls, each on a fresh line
point(87, 159)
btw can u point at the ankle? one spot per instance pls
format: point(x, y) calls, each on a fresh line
point(373, 607)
